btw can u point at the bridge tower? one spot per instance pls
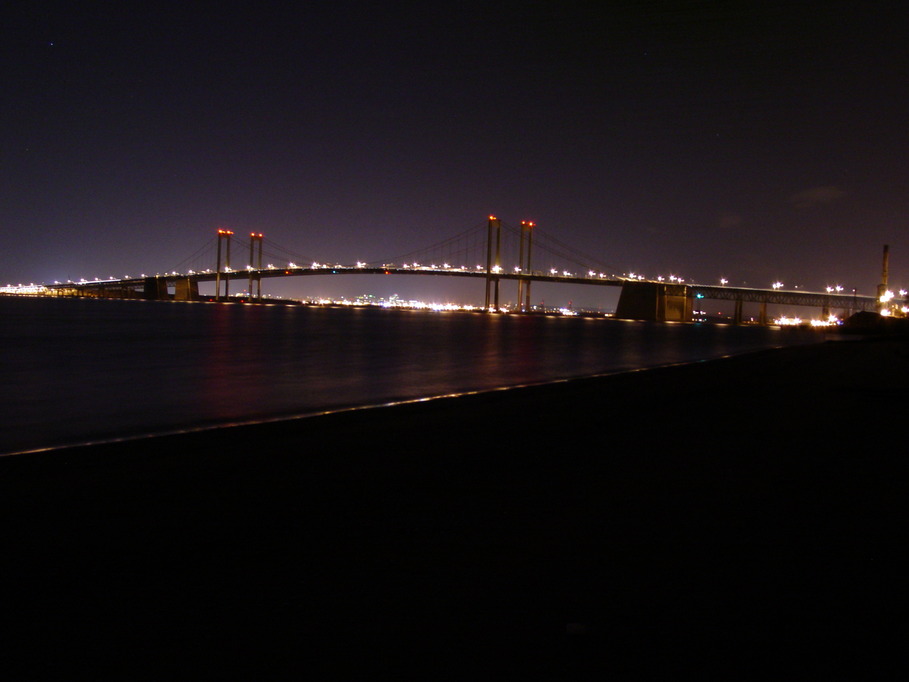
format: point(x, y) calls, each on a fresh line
point(223, 235)
point(493, 268)
point(524, 265)
point(255, 238)
point(885, 275)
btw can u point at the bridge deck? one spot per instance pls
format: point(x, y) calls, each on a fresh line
point(702, 291)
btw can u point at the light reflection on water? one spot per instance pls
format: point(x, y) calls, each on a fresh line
point(76, 370)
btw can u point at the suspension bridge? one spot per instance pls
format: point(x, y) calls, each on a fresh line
point(493, 251)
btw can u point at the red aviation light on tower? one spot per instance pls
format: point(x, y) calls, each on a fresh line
point(492, 217)
point(227, 232)
point(256, 235)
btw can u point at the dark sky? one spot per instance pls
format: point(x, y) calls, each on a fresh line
point(759, 142)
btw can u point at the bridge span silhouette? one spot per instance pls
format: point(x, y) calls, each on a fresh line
point(640, 298)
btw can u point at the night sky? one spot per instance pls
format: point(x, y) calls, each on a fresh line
point(758, 143)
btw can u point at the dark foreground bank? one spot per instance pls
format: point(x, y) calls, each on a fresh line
point(726, 518)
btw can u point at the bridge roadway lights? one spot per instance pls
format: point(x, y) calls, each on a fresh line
point(654, 302)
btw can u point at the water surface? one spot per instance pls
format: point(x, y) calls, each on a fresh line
point(76, 370)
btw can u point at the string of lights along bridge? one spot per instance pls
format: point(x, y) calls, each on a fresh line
point(493, 251)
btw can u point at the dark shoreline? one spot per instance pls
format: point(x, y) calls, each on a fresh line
point(708, 518)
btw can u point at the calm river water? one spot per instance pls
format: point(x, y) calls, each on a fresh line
point(83, 370)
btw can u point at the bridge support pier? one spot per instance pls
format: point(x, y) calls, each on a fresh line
point(186, 289)
point(654, 302)
point(155, 289)
point(737, 315)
